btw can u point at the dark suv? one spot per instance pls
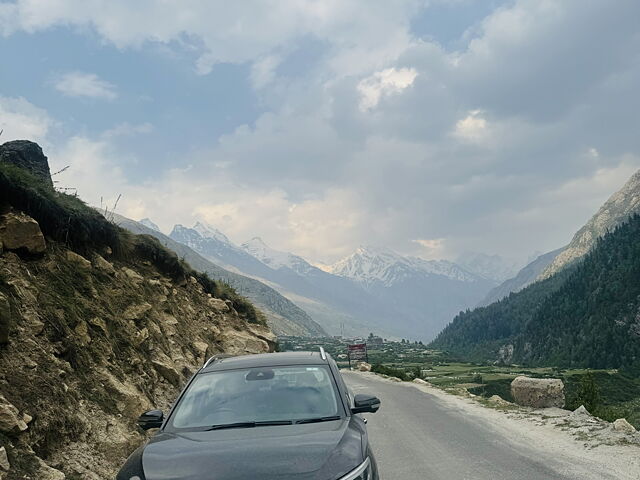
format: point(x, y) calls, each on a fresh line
point(259, 417)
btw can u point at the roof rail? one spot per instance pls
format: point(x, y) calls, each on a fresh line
point(215, 358)
point(323, 355)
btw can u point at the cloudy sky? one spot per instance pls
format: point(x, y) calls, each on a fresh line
point(433, 127)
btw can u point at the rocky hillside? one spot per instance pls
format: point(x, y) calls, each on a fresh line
point(96, 326)
point(616, 210)
point(283, 316)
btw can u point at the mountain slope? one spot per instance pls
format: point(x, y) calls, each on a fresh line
point(525, 276)
point(615, 210)
point(283, 316)
point(586, 315)
point(96, 326)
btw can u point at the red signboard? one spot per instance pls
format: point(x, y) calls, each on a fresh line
point(357, 351)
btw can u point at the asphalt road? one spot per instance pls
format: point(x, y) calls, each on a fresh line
point(417, 436)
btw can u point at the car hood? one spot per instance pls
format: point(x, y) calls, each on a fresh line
point(318, 451)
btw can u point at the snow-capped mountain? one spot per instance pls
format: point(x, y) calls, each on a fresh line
point(149, 224)
point(207, 231)
point(214, 245)
point(374, 289)
point(275, 258)
point(374, 264)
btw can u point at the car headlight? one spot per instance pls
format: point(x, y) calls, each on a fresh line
point(361, 472)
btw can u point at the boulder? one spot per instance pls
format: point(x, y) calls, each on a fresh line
point(10, 418)
point(621, 425)
point(21, 232)
point(5, 319)
point(538, 392)
point(27, 155)
point(420, 381)
point(364, 367)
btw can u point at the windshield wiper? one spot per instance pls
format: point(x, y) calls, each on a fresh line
point(319, 419)
point(249, 424)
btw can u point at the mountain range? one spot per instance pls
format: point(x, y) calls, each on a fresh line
point(373, 289)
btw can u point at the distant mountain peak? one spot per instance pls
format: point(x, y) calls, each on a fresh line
point(207, 231)
point(275, 258)
point(149, 224)
point(373, 264)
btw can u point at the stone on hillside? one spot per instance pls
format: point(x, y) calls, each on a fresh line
point(10, 418)
point(621, 425)
point(420, 381)
point(78, 260)
point(4, 460)
point(27, 155)
point(102, 265)
point(99, 323)
point(218, 304)
point(166, 370)
point(5, 319)
point(538, 392)
point(130, 401)
point(21, 232)
point(82, 333)
point(201, 350)
point(136, 312)
point(132, 274)
point(45, 472)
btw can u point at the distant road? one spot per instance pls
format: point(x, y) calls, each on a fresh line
point(417, 436)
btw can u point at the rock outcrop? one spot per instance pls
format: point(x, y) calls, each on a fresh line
point(21, 232)
point(538, 392)
point(27, 155)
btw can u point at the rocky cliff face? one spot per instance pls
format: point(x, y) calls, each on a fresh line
point(91, 337)
point(616, 210)
point(27, 155)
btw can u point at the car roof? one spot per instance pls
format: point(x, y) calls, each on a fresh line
point(264, 360)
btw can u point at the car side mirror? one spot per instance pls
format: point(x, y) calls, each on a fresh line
point(151, 419)
point(365, 404)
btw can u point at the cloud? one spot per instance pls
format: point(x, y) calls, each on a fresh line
point(386, 82)
point(472, 127)
point(81, 84)
point(503, 146)
point(21, 120)
point(431, 248)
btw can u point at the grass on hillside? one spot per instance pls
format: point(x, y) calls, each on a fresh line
point(68, 220)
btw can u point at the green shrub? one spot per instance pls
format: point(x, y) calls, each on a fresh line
point(64, 218)
point(390, 371)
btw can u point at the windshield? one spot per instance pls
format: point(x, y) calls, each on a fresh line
point(274, 394)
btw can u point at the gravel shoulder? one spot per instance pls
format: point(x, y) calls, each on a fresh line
point(424, 432)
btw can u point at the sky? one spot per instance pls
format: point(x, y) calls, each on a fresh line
point(432, 127)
